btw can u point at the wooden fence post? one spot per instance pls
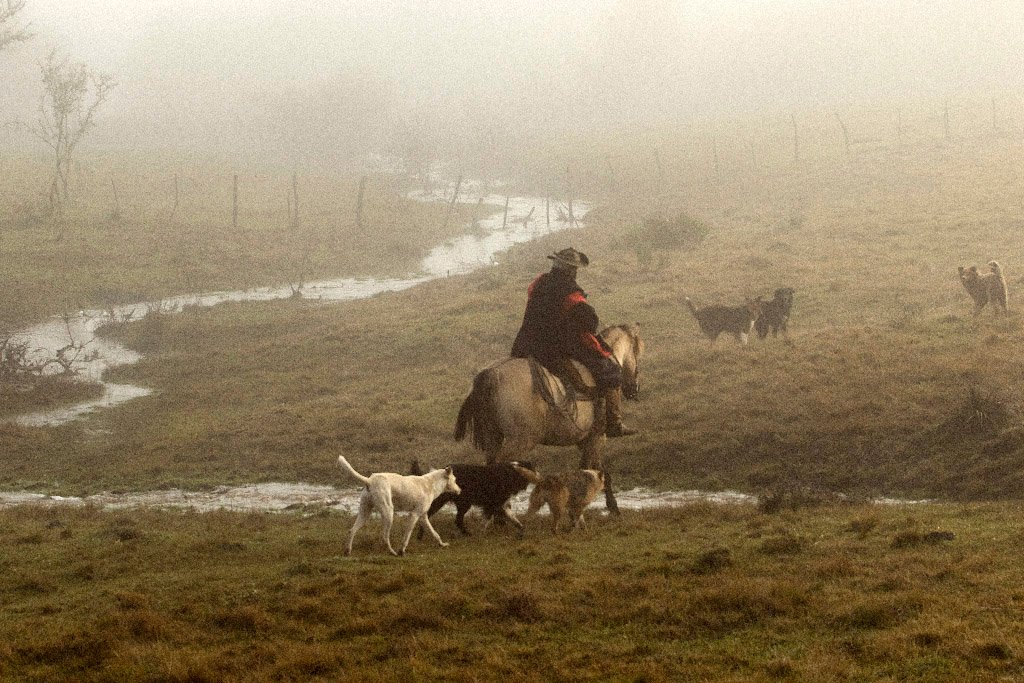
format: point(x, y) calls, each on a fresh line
point(568, 187)
point(716, 168)
point(846, 133)
point(945, 120)
point(295, 201)
point(359, 204)
point(174, 209)
point(451, 205)
point(116, 214)
point(796, 139)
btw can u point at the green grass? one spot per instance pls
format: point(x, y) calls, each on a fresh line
point(834, 593)
point(44, 393)
point(872, 397)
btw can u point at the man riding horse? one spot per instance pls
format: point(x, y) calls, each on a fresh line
point(559, 324)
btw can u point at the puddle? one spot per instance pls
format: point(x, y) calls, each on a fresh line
point(282, 497)
point(279, 497)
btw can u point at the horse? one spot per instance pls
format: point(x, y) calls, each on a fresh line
point(510, 415)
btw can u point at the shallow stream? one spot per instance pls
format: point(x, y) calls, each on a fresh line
point(526, 220)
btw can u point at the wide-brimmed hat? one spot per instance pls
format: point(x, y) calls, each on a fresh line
point(571, 258)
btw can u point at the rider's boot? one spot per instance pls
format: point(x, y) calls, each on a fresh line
point(613, 414)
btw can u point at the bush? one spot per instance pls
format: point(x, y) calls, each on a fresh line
point(662, 234)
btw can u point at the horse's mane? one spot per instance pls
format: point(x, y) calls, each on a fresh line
point(631, 331)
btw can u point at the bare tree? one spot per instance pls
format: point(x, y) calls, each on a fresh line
point(72, 93)
point(10, 31)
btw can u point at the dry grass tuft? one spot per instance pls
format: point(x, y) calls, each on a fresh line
point(881, 613)
point(785, 543)
point(248, 618)
point(523, 606)
point(712, 561)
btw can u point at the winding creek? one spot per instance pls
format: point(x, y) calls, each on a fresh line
point(488, 237)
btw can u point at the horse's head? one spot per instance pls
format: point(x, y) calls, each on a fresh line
point(627, 347)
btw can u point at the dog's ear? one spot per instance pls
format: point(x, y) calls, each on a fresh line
point(448, 470)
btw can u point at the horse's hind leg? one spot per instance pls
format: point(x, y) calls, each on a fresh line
point(591, 460)
point(510, 449)
point(609, 495)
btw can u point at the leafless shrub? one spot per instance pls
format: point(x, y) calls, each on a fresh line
point(10, 32)
point(16, 364)
point(72, 93)
point(21, 364)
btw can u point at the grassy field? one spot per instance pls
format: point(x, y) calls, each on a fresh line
point(168, 232)
point(889, 387)
point(706, 593)
point(143, 246)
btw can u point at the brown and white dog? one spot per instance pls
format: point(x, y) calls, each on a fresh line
point(569, 492)
point(388, 492)
point(985, 287)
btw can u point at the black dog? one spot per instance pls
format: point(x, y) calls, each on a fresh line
point(775, 313)
point(486, 486)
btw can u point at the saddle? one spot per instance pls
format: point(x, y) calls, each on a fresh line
point(577, 384)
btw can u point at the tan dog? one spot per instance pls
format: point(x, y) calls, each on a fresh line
point(985, 287)
point(569, 492)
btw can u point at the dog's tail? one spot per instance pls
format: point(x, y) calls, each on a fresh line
point(996, 268)
point(528, 473)
point(689, 304)
point(348, 468)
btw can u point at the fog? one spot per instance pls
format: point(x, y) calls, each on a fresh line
point(306, 82)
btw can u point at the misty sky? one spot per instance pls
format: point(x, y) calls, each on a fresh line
point(299, 73)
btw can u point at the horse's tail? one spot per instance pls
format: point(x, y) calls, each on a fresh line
point(479, 412)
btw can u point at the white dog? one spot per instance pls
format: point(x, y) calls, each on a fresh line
point(387, 492)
